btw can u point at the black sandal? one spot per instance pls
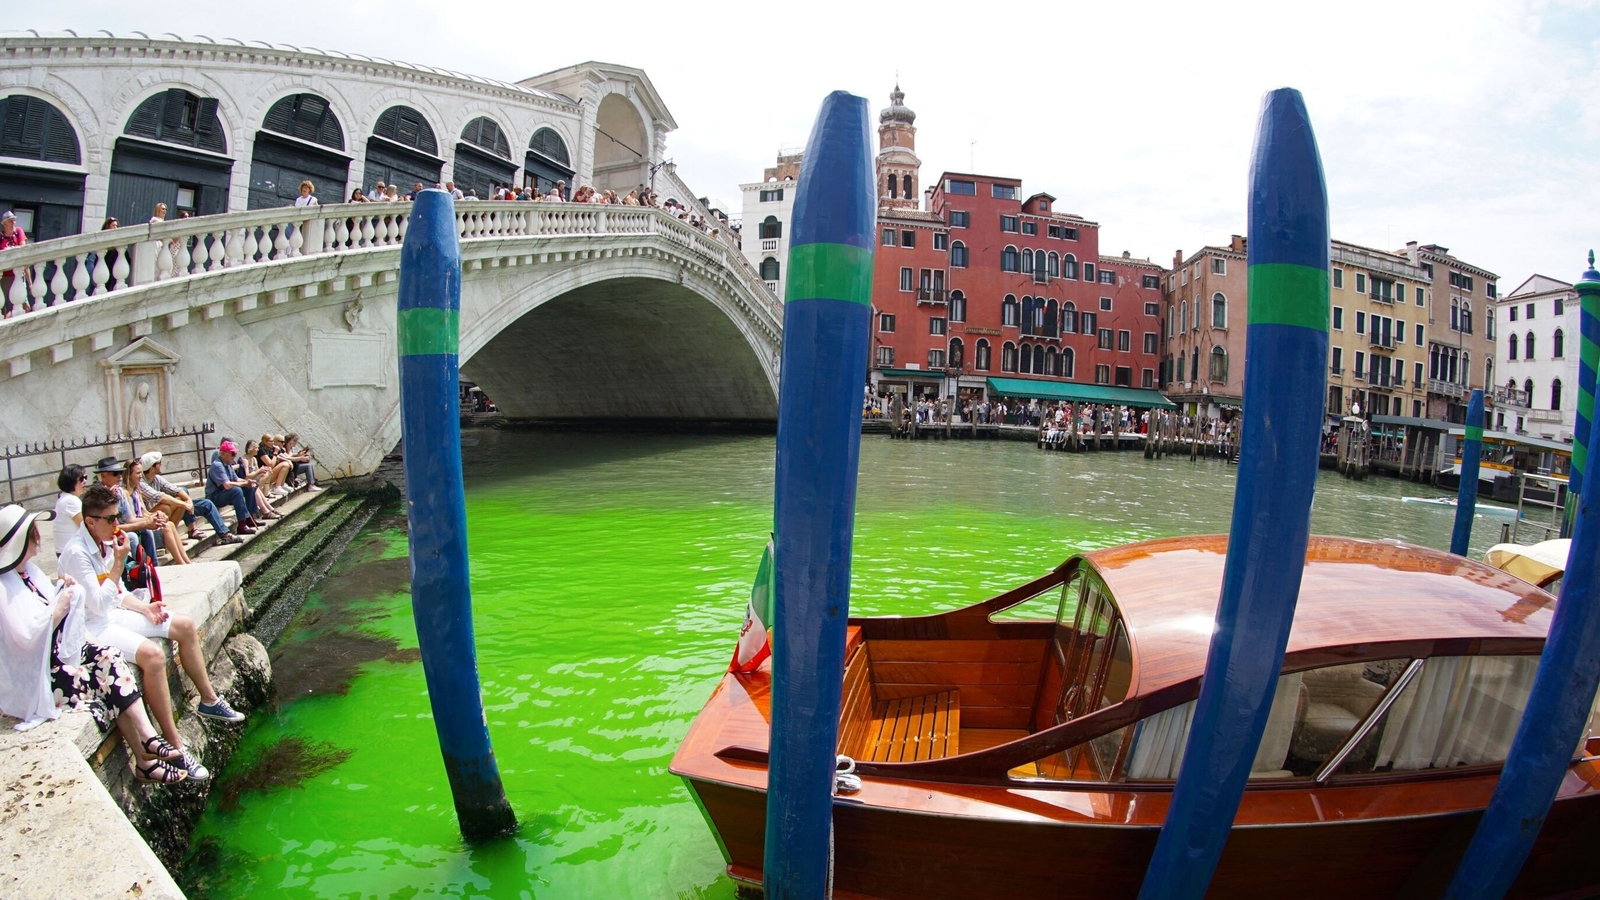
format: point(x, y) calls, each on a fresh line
point(157, 771)
point(157, 747)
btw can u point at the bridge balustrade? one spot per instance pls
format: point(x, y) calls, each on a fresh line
point(91, 265)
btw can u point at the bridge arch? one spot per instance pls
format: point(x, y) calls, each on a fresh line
point(622, 144)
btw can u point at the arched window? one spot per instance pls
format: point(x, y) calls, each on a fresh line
point(307, 117)
point(1488, 371)
point(1027, 316)
point(1555, 392)
point(958, 255)
point(1527, 388)
point(1027, 359)
point(1008, 357)
point(981, 355)
point(1558, 345)
point(1512, 338)
point(1039, 269)
point(892, 183)
point(1183, 316)
point(957, 353)
point(1194, 365)
point(771, 227)
point(1067, 362)
point(547, 143)
point(1527, 346)
point(407, 127)
point(486, 133)
point(1219, 312)
point(958, 306)
point(1010, 311)
point(176, 116)
point(1020, 262)
point(1038, 359)
point(1069, 318)
point(1069, 266)
point(1055, 265)
point(1050, 323)
point(1219, 364)
point(33, 129)
point(769, 269)
point(1052, 362)
point(906, 190)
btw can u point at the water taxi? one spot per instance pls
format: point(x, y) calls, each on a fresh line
point(1027, 746)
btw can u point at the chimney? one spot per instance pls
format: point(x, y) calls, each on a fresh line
point(1177, 259)
point(1411, 251)
point(1236, 244)
point(1126, 255)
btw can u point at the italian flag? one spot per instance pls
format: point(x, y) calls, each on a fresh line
point(754, 646)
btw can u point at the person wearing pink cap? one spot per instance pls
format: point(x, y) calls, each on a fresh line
point(224, 488)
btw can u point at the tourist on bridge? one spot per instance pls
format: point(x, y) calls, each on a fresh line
point(11, 235)
point(162, 495)
point(308, 194)
point(225, 488)
point(49, 662)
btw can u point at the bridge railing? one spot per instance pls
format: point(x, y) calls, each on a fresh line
point(91, 265)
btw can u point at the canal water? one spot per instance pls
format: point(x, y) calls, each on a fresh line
point(610, 574)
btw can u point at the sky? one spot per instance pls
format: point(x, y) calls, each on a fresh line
point(1470, 124)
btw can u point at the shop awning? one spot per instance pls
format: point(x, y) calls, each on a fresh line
point(1079, 393)
point(911, 373)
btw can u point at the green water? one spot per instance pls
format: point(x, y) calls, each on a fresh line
point(609, 579)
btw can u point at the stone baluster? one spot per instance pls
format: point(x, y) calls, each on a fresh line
point(218, 251)
point(58, 284)
point(367, 232)
point(330, 234)
point(405, 221)
point(121, 269)
point(101, 276)
point(180, 261)
point(80, 275)
point(296, 239)
point(341, 234)
point(200, 255)
point(163, 261)
point(280, 244)
point(249, 245)
point(19, 288)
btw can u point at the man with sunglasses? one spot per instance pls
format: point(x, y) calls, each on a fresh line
point(94, 559)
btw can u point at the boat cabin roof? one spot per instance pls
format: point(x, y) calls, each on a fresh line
point(1358, 599)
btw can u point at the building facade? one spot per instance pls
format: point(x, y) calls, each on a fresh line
point(1204, 323)
point(1461, 337)
point(1537, 393)
point(109, 125)
point(1379, 334)
point(764, 224)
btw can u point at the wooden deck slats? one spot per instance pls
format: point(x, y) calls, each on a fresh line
point(915, 728)
point(855, 708)
point(988, 651)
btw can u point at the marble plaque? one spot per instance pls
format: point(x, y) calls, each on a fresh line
point(340, 359)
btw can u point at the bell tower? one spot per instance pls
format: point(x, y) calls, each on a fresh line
point(899, 169)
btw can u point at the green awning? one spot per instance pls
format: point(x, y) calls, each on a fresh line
point(910, 373)
point(1078, 393)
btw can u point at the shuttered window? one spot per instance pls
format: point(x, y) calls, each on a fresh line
point(176, 116)
point(33, 129)
point(406, 126)
point(307, 117)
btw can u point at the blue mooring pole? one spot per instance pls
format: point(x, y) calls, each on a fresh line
point(1287, 344)
point(825, 329)
point(1467, 493)
point(428, 319)
point(1553, 722)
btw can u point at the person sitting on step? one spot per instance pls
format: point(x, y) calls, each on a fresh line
point(49, 663)
point(225, 488)
point(260, 476)
point(174, 502)
point(304, 472)
point(143, 527)
point(166, 533)
point(123, 620)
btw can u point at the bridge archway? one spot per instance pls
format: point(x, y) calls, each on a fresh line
point(622, 145)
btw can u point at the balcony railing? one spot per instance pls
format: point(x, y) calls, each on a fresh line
point(1511, 397)
point(1446, 389)
point(769, 243)
point(932, 295)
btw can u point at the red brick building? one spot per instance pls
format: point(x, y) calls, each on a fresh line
point(990, 282)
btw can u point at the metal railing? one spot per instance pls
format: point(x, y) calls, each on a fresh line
point(1511, 397)
point(32, 468)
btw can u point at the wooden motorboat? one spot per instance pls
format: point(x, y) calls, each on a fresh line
point(1004, 754)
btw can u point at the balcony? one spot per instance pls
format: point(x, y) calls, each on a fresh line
point(1446, 389)
point(1381, 341)
point(1504, 396)
point(1336, 371)
point(932, 295)
point(769, 244)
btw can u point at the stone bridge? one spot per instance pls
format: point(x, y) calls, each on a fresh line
point(284, 320)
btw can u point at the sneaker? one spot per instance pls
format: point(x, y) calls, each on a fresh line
point(221, 711)
point(229, 539)
point(191, 763)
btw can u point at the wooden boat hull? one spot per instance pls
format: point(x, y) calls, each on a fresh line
point(896, 854)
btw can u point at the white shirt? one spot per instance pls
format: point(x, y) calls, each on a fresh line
point(26, 627)
point(63, 527)
point(83, 559)
point(306, 200)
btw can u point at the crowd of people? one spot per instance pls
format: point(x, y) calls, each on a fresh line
point(1054, 420)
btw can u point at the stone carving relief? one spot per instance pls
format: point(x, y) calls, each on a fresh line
point(139, 388)
point(352, 313)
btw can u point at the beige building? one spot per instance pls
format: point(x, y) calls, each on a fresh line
point(1461, 333)
point(1202, 367)
point(1379, 334)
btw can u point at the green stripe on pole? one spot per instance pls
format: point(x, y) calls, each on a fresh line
point(830, 272)
point(1289, 294)
point(1586, 350)
point(425, 331)
point(1474, 433)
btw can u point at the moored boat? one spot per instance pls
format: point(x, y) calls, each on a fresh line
point(1008, 755)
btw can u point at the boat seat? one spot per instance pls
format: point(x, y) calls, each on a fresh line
point(915, 728)
point(1337, 699)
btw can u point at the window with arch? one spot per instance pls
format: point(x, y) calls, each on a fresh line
point(31, 128)
point(1008, 357)
point(1054, 264)
point(1511, 346)
point(1029, 316)
point(1027, 359)
point(906, 189)
point(1219, 364)
point(893, 183)
point(1009, 260)
point(1527, 388)
point(769, 269)
point(958, 353)
point(958, 255)
point(547, 143)
point(1010, 311)
point(1050, 321)
point(307, 117)
point(1558, 344)
point(1527, 346)
point(176, 116)
point(958, 306)
point(1052, 362)
point(486, 133)
point(407, 127)
point(1039, 269)
point(1069, 318)
point(771, 228)
point(1194, 365)
point(980, 355)
point(1069, 266)
point(1488, 371)
point(1067, 362)
point(1555, 394)
point(1219, 310)
point(1183, 315)
point(1038, 360)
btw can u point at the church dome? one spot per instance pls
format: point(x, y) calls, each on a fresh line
point(897, 110)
